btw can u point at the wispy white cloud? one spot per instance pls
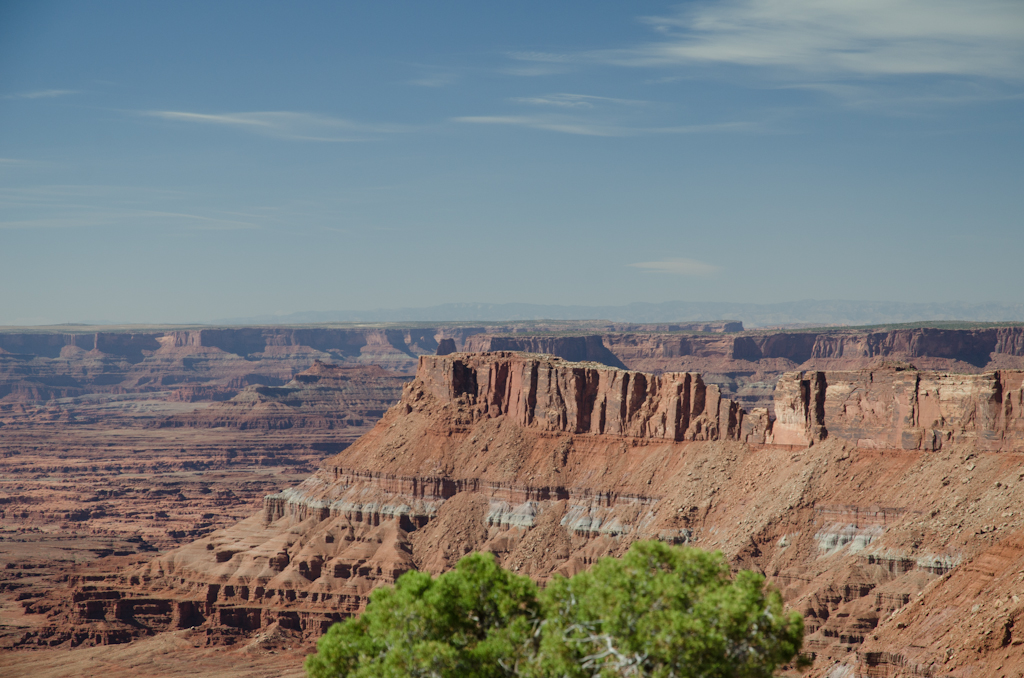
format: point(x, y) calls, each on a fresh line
point(285, 124)
point(544, 123)
point(597, 116)
point(548, 57)
point(539, 64)
point(21, 164)
point(738, 126)
point(85, 206)
point(42, 94)
point(435, 80)
point(81, 194)
point(834, 39)
point(582, 127)
point(434, 75)
point(678, 266)
point(127, 218)
point(564, 100)
point(246, 119)
point(197, 221)
point(894, 99)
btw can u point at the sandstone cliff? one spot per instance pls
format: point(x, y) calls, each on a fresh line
point(927, 347)
point(745, 366)
point(552, 395)
point(901, 409)
point(550, 465)
point(45, 365)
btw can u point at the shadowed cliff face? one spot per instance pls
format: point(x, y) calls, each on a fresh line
point(549, 394)
point(888, 408)
point(577, 349)
point(505, 453)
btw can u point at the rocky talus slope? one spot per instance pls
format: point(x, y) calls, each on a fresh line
point(885, 505)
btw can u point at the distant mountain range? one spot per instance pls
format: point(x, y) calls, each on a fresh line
point(806, 312)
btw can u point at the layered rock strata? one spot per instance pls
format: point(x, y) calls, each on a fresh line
point(585, 348)
point(218, 362)
point(745, 366)
point(40, 366)
point(553, 395)
point(551, 465)
point(324, 397)
point(170, 471)
point(901, 409)
point(659, 350)
point(93, 482)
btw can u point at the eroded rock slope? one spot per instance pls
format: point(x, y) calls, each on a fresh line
point(551, 465)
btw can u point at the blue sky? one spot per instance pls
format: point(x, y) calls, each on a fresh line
point(180, 162)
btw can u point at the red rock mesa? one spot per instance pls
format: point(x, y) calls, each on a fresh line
point(883, 503)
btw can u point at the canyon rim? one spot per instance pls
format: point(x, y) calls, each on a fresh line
point(876, 482)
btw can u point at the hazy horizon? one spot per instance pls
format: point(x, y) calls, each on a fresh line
point(807, 312)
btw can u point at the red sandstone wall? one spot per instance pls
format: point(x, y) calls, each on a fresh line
point(553, 395)
point(901, 409)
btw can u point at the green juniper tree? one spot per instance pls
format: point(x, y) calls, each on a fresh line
point(658, 611)
point(472, 621)
point(665, 612)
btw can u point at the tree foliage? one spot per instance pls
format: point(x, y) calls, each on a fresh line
point(658, 611)
point(470, 621)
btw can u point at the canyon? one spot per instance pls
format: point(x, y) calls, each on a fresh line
point(159, 482)
point(212, 364)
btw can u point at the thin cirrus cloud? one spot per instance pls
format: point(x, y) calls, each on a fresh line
point(126, 219)
point(284, 124)
point(567, 125)
point(565, 100)
point(596, 116)
point(677, 266)
point(435, 80)
point(835, 39)
point(85, 206)
point(42, 94)
point(549, 124)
